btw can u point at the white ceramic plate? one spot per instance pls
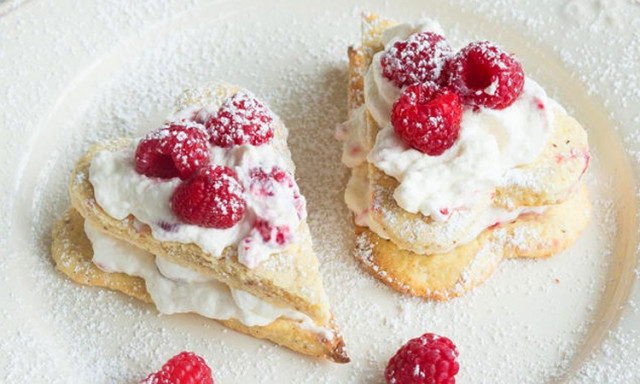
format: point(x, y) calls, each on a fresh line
point(74, 73)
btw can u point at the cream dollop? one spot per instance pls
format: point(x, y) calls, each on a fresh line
point(176, 289)
point(490, 143)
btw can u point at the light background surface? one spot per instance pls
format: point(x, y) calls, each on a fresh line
point(73, 73)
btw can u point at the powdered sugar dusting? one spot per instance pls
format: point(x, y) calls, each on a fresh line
point(241, 119)
point(69, 333)
point(419, 59)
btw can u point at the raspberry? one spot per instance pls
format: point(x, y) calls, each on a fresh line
point(419, 59)
point(200, 116)
point(241, 119)
point(184, 368)
point(212, 198)
point(263, 184)
point(486, 76)
point(282, 177)
point(173, 151)
point(426, 359)
point(428, 119)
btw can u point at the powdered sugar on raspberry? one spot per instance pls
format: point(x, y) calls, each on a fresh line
point(486, 76)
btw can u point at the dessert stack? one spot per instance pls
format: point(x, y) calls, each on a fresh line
point(458, 160)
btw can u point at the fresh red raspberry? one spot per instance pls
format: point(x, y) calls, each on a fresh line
point(212, 198)
point(428, 359)
point(184, 368)
point(419, 59)
point(427, 118)
point(241, 119)
point(173, 151)
point(486, 76)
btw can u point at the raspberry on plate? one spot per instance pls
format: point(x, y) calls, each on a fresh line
point(419, 59)
point(427, 118)
point(212, 198)
point(183, 368)
point(486, 76)
point(241, 119)
point(173, 151)
point(428, 359)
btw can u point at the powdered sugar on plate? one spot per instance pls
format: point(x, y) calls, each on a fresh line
point(527, 324)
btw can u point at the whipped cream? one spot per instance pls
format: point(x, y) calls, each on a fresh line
point(490, 143)
point(176, 289)
point(358, 197)
point(456, 187)
point(353, 133)
point(121, 192)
